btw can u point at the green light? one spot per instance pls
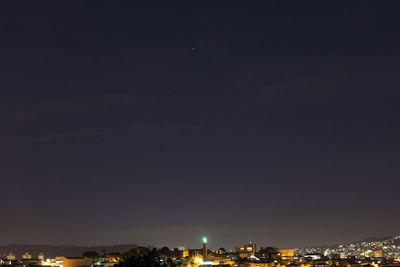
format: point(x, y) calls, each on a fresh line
point(204, 239)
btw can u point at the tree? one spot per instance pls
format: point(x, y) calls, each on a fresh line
point(151, 259)
point(90, 254)
point(165, 252)
point(139, 251)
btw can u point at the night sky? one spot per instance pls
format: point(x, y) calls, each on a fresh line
point(274, 122)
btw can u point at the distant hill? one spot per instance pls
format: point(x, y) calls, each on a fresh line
point(53, 251)
point(376, 239)
point(366, 244)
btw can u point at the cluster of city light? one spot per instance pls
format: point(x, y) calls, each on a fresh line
point(389, 247)
point(373, 253)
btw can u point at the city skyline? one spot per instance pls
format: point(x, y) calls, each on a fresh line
point(376, 252)
point(156, 124)
point(389, 244)
point(213, 245)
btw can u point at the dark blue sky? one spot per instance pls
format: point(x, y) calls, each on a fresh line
point(276, 122)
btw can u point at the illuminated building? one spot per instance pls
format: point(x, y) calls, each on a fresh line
point(287, 254)
point(377, 253)
point(68, 262)
point(246, 250)
point(26, 256)
point(10, 257)
point(41, 256)
point(185, 253)
point(181, 252)
point(195, 253)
